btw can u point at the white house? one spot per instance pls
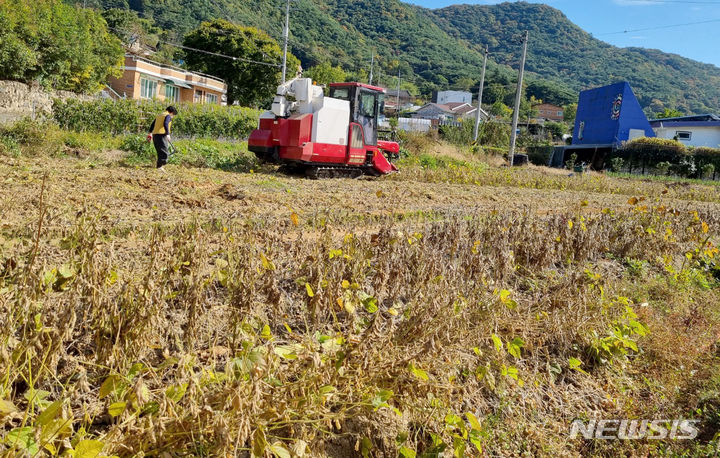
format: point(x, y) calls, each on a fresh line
point(697, 131)
point(448, 112)
point(445, 97)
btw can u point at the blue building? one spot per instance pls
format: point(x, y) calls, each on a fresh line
point(606, 117)
point(610, 115)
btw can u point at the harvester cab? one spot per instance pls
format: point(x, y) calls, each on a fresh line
point(335, 136)
point(366, 104)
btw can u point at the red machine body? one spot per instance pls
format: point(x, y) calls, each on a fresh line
point(347, 121)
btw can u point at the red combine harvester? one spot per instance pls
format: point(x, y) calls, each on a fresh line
point(325, 137)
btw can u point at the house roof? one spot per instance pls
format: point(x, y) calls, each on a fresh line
point(404, 93)
point(457, 109)
point(706, 120)
point(704, 117)
point(137, 57)
point(460, 108)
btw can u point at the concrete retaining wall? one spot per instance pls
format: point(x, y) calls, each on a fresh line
point(19, 100)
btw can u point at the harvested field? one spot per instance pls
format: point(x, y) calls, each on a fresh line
point(464, 309)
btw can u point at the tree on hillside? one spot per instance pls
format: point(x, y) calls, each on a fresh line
point(360, 76)
point(669, 113)
point(495, 92)
point(325, 73)
point(249, 83)
point(551, 92)
point(464, 83)
point(133, 30)
point(57, 45)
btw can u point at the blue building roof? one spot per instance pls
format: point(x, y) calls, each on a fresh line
point(606, 115)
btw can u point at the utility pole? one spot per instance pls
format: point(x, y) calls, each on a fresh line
point(480, 96)
point(372, 67)
point(518, 95)
point(286, 36)
point(397, 107)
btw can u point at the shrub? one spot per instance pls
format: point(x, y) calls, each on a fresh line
point(142, 151)
point(103, 115)
point(416, 142)
point(617, 163)
point(685, 168)
point(204, 153)
point(570, 164)
point(9, 146)
point(707, 156)
point(663, 168)
point(495, 133)
point(130, 116)
point(458, 135)
point(34, 137)
point(669, 155)
point(556, 129)
point(707, 171)
point(214, 154)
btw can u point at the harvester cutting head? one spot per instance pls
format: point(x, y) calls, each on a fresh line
point(325, 136)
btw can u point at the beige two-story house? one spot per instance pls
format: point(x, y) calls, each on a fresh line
point(145, 79)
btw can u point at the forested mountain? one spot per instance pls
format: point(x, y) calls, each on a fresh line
point(443, 48)
point(561, 51)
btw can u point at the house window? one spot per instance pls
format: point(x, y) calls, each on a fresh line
point(211, 98)
point(148, 88)
point(172, 93)
point(559, 113)
point(683, 135)
point(198, 96)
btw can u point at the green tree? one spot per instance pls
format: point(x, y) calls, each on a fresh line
point(325, 74)
point(500, 109)
point(570, 112)
point(495, 93)
point(464, 83)
point(669, 113)
point(556, 129)
point(528, 108)
point(359, 76)
point(551, 92)
point(250, 82)
point(61, 46)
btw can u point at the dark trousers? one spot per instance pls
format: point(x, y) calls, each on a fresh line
point(161, 146)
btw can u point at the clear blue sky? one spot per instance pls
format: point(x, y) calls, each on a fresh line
point(603, 17)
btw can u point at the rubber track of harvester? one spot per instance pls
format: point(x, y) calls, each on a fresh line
point(315, 173)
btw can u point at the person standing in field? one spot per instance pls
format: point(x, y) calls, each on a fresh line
point(159, 134)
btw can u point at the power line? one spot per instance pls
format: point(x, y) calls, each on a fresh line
point(221, 55)
point(661, 27)
point(241, 59)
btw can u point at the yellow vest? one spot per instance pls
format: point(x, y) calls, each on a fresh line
point(160, 124)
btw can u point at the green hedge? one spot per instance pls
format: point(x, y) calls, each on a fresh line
point(130, 116)
point(646, 153)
